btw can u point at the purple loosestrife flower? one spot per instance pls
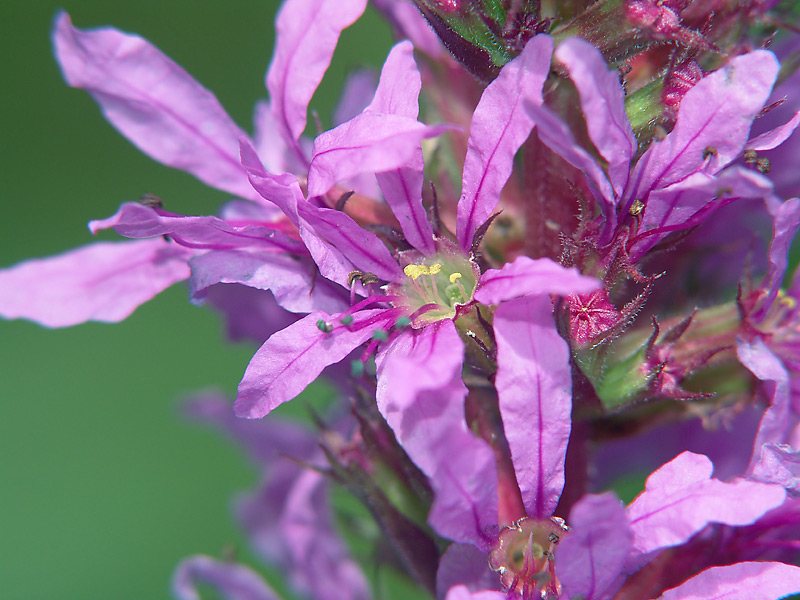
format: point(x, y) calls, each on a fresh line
point(434, 281)
point(611, 551)
point(288, 518)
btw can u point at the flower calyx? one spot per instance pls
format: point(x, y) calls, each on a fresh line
point(523, 557)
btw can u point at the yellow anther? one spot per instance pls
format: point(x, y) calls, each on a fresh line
point(787, 301)
point(455, 277)
point(435, 268)
point(415, 271)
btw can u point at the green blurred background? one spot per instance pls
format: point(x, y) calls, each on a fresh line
point(103, 486)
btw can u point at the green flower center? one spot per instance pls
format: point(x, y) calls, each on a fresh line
point(440, 285)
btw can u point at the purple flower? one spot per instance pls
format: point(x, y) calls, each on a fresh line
point(679, 180)
point(288, 518)
point(434, 281)
point(608, 549)
point(233, 581)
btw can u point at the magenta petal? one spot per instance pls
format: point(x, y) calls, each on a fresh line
point(288, 521)
point(534, 387)
point(281, 190)
point(291, 359)
point(747, 580)
point(398, 93)
point(100, 282)
point(603, 105)
point(500, 125)
point(774, 137)
point(526, 276)
point(402, 190)
point(231, 581)
point(154, 103)
point(133, 220)
point(409, 23)
point(462, 592)
point(691, 201)
point(371, 142)
point(779, 463)
point(776, 424)
point(293, 282)
point(399, 85)
point(590, 559)
point(421, 396)
point(272, 148)
point(680, 499)
point(307, 34)
point(555, 134)
point(360, 246)
point(786, 222)
point(712, 126)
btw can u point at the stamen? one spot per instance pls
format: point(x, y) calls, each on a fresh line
point(356, 368)
point(415, 271)
point(324, 327)
point(402, 322)
point(454, 277)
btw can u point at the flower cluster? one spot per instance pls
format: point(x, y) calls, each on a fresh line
point(568, 274)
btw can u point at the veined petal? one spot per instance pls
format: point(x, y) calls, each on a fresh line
point(360, 246)
point(104, 281)
point(134, 220)
point(534, 385)
point(399, 85)
point(689, 202)
point(589, 561)
point(712, 127)
point(291, 359)
point(154, 103)
point(231, 580)
point(774, 137)
point(603, 105)
point(776, 423)
point(421, 396)
point(402, 190)
point(526, 276)
point(680, 499)
point(371, 142)
point(307, 34)
point(293, 282)
point(398, 93)
point(751, 580)
point(499, 127)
